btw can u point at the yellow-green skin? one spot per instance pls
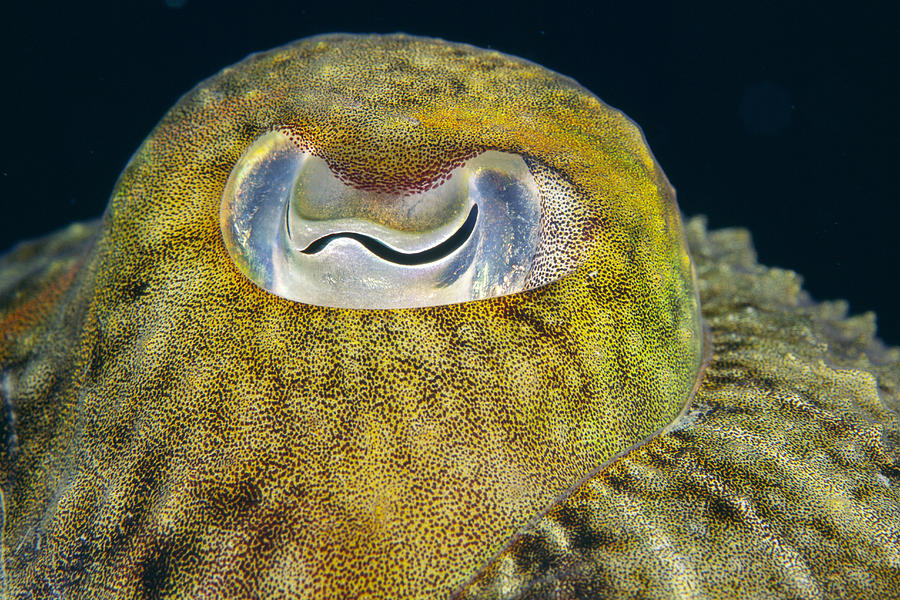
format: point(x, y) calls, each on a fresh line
point(174, 431)
point(180, 430)
point(781, 481)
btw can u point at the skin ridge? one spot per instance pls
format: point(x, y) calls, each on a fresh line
point(513, 549)
point(826, 394)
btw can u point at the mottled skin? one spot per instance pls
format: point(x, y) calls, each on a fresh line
point(781, 481)
point(174, 431)
point(182, 432)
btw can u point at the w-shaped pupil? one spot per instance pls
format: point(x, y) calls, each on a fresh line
point(379, 249)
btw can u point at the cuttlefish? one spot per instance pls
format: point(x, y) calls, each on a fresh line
point(391, 317)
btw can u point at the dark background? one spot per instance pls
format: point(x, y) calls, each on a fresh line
point(778, 116)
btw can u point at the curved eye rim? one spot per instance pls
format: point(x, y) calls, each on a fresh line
point(510, 170)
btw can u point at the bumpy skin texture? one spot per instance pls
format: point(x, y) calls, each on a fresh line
point(175, 431)
point(781, 481)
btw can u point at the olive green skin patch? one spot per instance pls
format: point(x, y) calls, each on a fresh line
point(180, 429)
point(782, 479)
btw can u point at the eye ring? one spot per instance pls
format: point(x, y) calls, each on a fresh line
point(295, 228)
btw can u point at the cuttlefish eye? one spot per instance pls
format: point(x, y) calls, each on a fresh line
point(297, 229)
point(187, 431)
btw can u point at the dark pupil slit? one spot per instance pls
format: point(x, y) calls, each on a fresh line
point(377, 248)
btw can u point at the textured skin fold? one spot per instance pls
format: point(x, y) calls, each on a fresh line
point(782, 481)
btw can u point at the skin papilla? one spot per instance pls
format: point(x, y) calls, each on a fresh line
point(173, 430)
point(781, 481)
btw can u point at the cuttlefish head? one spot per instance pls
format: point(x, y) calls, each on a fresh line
point(374, 303)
